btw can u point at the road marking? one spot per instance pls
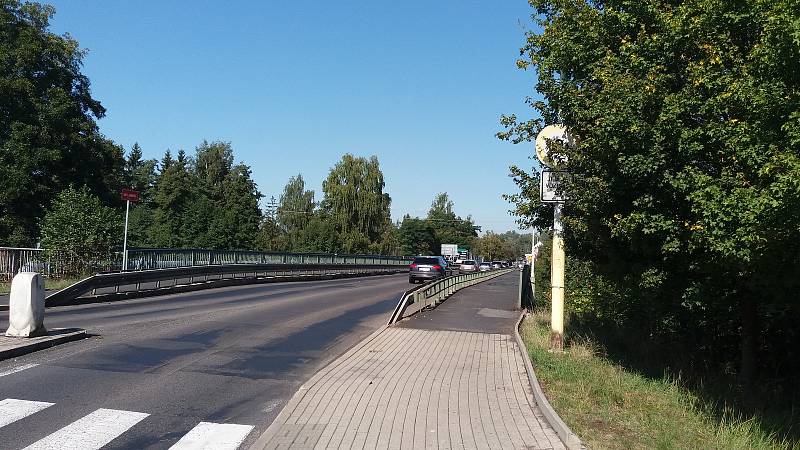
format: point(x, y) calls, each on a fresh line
point(213, 436)
point(91, 431)
point(12, 410)
point(16, 369)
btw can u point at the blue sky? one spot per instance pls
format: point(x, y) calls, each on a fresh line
point(293, 85)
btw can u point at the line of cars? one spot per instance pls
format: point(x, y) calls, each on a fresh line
point(425, 268)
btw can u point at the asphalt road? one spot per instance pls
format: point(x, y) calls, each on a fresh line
point(230, 355)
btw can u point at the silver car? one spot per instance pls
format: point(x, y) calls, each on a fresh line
point(486, 266)
point(468, 266)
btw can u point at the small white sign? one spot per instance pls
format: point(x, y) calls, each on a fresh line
point(552, 188)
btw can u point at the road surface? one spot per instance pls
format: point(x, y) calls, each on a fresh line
point(164, 370)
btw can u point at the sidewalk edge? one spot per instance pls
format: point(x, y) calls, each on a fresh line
point(570, 439)
point(15, 352)
point(269, 433)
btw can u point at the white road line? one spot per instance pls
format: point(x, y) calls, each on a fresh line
point(16, 369)
point(213, 436)
point(12, 410)
point(91, 431)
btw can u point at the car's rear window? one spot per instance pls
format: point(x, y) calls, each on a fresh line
point(426, 261)
point(468, 262)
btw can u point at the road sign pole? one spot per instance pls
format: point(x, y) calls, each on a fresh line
point(557, 282)
point(533, 264)
point(125, 237)
point(551, 193)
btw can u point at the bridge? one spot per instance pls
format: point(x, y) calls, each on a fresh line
point(245, 364)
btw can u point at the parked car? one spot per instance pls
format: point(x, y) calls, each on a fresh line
point(468, 266)
point(427, 268)
point(497, 264)
point(486, 266)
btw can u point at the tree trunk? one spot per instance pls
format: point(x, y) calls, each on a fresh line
point(750, 332)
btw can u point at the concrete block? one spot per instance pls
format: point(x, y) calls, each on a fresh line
point(26, 306)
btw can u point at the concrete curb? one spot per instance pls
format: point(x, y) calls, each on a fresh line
point(570, 439)
point(269, 433)
point(75, 335)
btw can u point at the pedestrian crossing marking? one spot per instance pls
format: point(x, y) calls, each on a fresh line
point(90, 432)
point(12, 410)
point(213, 436)
point(17, 369)
point(102, 426)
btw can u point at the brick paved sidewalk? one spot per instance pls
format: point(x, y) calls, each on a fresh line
point(413, 388)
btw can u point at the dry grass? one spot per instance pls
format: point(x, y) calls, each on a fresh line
point(49, 284)
point(611, 408)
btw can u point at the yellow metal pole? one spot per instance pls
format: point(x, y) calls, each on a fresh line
point(557, 283)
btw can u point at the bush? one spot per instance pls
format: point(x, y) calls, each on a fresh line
point(81, 227)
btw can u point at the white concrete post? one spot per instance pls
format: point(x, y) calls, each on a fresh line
point(26, 306)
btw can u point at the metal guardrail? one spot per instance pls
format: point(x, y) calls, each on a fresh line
point(50, 264)
point(158, 258)
point(61, 263)
point(435, 292)
point(155, 281)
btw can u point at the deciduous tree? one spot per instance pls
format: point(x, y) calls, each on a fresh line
point(48, 135)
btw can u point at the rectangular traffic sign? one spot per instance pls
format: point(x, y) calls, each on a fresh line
point(130, 195)
point(552, 186)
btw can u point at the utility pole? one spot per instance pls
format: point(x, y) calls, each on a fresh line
point(272, 208)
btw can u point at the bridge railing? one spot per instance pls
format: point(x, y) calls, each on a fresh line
point(156, 258)
point(432, 293)
point(104, 286)
point(54, 264)
point(58, 264)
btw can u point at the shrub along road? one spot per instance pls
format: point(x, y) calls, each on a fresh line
point(160, 366)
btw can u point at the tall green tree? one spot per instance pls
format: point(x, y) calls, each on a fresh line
point(450, 228)
point(212, 164)
point(141, 175)
point(355, 202)
point(174, 191)
point(239, 215)
point(48, 136)
point(295, 208)
point(687, 190)
point(418, 237)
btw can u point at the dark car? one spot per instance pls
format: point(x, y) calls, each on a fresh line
point(427, 268)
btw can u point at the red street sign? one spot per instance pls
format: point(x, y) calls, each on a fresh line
point(130, 195)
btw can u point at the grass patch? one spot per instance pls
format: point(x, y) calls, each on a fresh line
point(609, 407)
point(49, 284)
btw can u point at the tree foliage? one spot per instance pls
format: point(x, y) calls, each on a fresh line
point(355, 202)
point(48, 136)
point(296, 208)
point(418, 237)
point(80, 226)
point(448, 227)
point(686, 198)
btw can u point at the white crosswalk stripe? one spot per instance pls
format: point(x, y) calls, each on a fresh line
point(91, 431)
point(213, 436)
point(12, 410)
point(17, 369)
point(102, 426)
